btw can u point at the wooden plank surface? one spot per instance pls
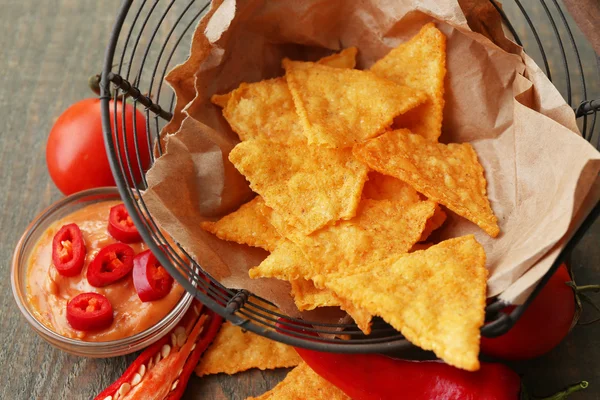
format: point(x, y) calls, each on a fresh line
point(49, 48)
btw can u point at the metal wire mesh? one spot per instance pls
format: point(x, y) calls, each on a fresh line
point(151, 37)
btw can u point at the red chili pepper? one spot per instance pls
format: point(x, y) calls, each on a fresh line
point(120, 225)
point(151, 280)
point(377, 377)
point(68, 250)
point(167, 377)
point(89, 312)
point(112, 263)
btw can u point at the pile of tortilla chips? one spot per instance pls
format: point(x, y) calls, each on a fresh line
point(351, 180)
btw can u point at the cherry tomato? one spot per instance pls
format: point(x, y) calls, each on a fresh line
point(112, 263)
point(68, 250)
point(120, 225)
point(89, 312)
point(151, 280)
point(75, 152)
point(544, 324)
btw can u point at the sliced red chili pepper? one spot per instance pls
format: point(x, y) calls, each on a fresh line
point(112, 263)
point(89, 312)
point(68, 250)
point(170, 374)
point(120, 225)
point(151, 280)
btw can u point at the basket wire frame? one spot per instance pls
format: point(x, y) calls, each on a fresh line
point(144, 42)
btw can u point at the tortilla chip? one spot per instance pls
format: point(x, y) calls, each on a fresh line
point(435, 297)
point(433, 223)
point(303, 383)
point(381, 229)
point(447, 174)
point(309, 186)
point(341, 107)
point(265, 109)
point(420, 64)
point(247, 225)
point(344, 59)
point(286, 262)
point(308, 297)
point(220, 100)
point(235, 350)
point(385, 187)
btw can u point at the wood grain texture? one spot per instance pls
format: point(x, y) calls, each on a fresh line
point(49, 48)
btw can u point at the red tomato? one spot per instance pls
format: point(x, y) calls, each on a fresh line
point(75, 150)
point(542, 326)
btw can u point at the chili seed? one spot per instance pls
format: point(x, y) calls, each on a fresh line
point(165, 351)
point(137, 378)
point(124, 389)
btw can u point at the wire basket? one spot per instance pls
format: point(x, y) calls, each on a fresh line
point(150, 37)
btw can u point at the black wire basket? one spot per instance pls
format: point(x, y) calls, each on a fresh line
point(150, 37)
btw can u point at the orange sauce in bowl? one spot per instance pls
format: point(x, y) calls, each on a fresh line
point(48, 292)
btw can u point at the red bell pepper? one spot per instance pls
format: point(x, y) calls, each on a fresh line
point(89, 312)
point(163, 369)
point(68, 250)
point(111, 264)
point(120, 225)
point(151, 280)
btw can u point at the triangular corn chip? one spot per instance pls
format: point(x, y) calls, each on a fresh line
point(309, 186)
point(380, 229)
point(308, 297)
point(302, 383)
point(247, 225)
point(385, 187)
point(266, 110)
point(435, 222)
point(448, 174)
point(286, 262)
point(344, 59)
point(220, 100)
point(235, 350)
point(420, 64)
point(435, 297)
point(341, 107)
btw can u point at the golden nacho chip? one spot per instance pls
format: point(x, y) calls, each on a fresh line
point(447, 174)
point(435, 222)
point(341, 107)
point(286, 262)
point(265, 109)
point(380, 229)
point(309, 186)
point(247, 225)
point(420, 64)
point(235, 350)
point(435, 297)
point(385, 187)
point(220, 100)
point(308, 297)
point(344, 59)
point(302, 383)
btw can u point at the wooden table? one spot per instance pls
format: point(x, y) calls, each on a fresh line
point(49, 48)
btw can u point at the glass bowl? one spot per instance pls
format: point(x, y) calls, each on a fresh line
point(19, 268)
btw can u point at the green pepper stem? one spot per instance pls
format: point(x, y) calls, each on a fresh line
point(587, 288)
point(94, 84)
point(566, 392)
